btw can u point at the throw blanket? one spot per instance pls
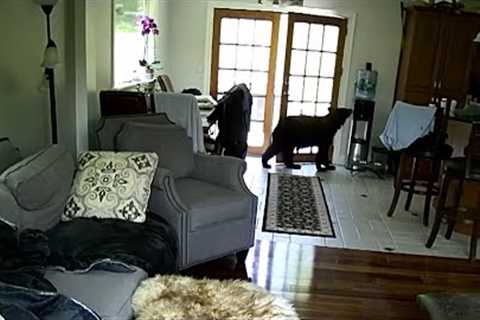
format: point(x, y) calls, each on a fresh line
point(406, 124)
point(77, 244)
point(24, 293)
point(183, 110)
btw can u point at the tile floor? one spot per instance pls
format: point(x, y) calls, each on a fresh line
point(358, 204)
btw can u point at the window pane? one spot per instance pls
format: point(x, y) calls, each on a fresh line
point(258, 108)
point(244, 77)
point(229, 30)
point(227, 56)
point(255, 135)
point(128, 42)
point(328, 64)
point(244, 57)
point(297, 62)
point(294, 109)
point(331, 38)
point(325, 89)
point(263, 32)
point(259, 83)
point(295, 88)
point(246, 29)
point(316, 37)
point(310, 91)
point(225, 80)
point(322, 109)
point(300, 35)
point(261, 59)
point(313, 63)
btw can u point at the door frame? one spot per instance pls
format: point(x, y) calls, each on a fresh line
point(274, 17)
point(342, 23)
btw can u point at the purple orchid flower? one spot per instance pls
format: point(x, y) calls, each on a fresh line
point(148, 26)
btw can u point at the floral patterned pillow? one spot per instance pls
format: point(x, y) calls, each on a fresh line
point(112, 185)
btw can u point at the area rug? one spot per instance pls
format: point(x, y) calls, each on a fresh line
point(297, 205)
point(182, 298)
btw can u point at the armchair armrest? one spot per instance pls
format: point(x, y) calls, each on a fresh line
point(164, 181)
point(224, 171)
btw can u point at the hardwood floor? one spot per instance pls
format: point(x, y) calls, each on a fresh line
point(332, 283)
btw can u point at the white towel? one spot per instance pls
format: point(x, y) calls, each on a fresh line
point(183, 110)
point(406, 124)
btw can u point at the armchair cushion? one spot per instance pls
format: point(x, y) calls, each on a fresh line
point(41, 179)
point(209, 204)
point(170, 142)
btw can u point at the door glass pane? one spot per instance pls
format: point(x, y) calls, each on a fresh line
point(244, 60)
point(308, 109)
point(300, 35)
point(258, 106)
point(313, 63)
point(226, 79)
point(243, 77)
point(328, 64)
point(297, 62)
point(316, 37)
point(294, 109)
point(227, 56)
point(322, 109)
point(325, 89)
point(310, 89)
point(229, 30)
point(261, 59)
point(330, 41)
point(295, 88)
point(263, 32)
point(246, 29)
point(259, 83)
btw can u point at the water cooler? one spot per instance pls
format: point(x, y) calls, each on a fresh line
point(363, 111)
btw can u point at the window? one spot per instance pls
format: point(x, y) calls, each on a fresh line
point(128, 42)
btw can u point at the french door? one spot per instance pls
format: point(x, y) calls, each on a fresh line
point(245, 51)
point(313, 68)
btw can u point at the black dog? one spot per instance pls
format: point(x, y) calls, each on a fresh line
point(303, 131)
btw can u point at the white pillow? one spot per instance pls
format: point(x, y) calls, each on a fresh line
point(112, 185)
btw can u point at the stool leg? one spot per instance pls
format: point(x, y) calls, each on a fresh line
point(428, 196)
point(411, 188)
point(398, 189)
point(473, 240)
point(439, 214)
point(456, 204)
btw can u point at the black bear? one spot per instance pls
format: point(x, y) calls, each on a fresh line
point(304, 131)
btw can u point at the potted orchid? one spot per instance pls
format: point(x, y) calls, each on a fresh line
point(148, 27)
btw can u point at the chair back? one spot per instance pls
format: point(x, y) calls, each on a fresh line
point(115, 102)
point(165, 83)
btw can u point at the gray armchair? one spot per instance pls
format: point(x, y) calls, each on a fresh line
point(203, 197)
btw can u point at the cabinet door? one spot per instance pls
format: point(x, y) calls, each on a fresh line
point(418, 68)
point(456, 50)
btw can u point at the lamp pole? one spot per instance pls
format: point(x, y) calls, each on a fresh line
point(50, 59)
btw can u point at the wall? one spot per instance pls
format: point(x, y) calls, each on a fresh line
point(24, 110)
point(376, 38)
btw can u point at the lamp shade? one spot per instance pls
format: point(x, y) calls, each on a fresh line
point(46, 2)
point(477, 38)
point(50, 56)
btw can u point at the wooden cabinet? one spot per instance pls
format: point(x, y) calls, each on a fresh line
point(436, 55)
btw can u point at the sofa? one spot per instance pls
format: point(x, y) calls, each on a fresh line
point(33, 192)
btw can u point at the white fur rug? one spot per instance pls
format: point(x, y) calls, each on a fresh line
point(184, 298)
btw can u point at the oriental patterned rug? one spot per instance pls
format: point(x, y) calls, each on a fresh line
point(297, 205)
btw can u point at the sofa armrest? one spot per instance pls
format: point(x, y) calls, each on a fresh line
point(223, 171)
point(165, 202)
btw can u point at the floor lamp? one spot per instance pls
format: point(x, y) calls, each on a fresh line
point(50, 60)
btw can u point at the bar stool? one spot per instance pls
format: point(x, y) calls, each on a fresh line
point(461, 170)
point(425, 154)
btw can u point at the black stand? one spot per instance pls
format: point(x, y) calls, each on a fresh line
point(50, 74)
